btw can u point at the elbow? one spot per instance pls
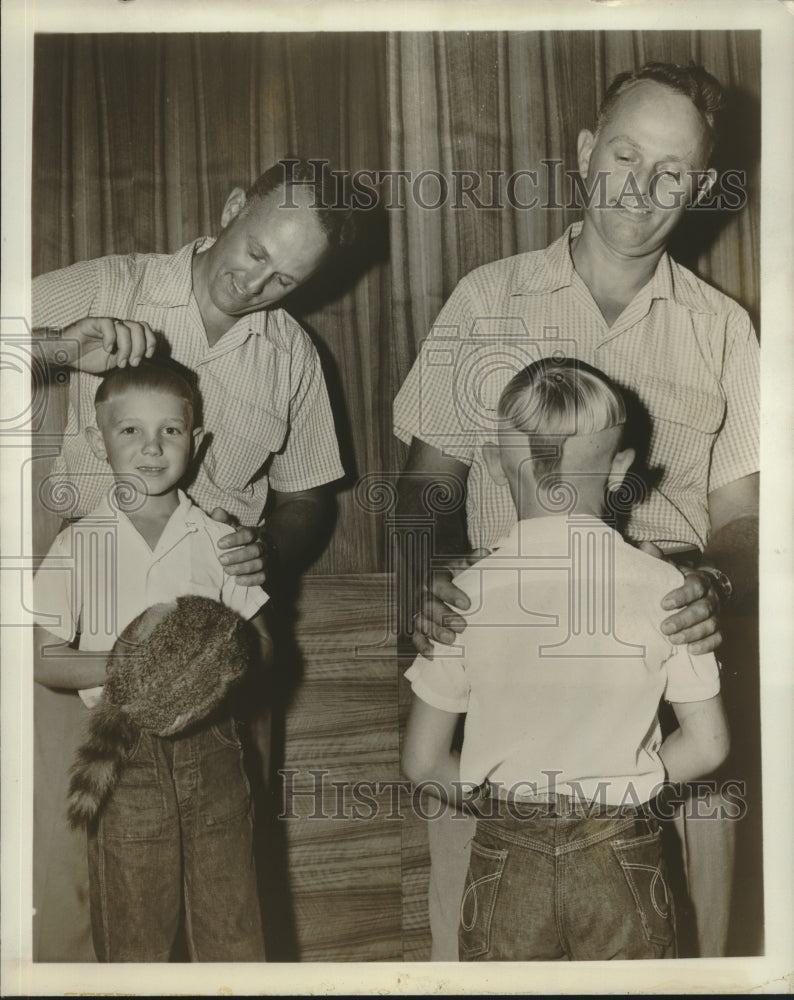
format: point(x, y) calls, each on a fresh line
point(414, 767)
point(714, 754)
point(720, 751)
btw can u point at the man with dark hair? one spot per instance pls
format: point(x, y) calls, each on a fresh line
point(265, 410)
point(702, 89)
point(608, 294)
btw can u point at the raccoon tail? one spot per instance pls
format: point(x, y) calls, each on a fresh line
point(98, 763)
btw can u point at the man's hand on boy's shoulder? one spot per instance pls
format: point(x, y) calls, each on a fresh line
point(435, 620)
point(243, 551)
point(697, 606)
point(697, 620)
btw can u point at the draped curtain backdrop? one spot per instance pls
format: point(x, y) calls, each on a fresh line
point(138, 140)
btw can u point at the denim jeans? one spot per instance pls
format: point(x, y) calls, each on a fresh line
point(562, 885)
point(177, 830)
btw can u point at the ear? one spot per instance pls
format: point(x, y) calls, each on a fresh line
point(621, 464)
point(198, 437)
point(705, 182)
point(235, 203)
point(584, 150)
point(493, 462)
point(96, 443)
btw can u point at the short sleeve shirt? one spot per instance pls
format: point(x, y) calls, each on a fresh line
point(264, 403)
point(685, 350)
point(562, 664)
point(100, 574)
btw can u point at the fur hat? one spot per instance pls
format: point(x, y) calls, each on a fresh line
point(170, 668)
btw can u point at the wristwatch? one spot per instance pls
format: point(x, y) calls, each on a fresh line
point(722, 582)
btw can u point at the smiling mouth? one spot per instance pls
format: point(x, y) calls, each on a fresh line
point(632, 209)
point(151, 469)
point(237, 290)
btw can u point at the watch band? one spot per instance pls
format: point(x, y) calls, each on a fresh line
point(270, 548)
point(721, 579)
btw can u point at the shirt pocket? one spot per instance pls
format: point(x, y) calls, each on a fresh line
point(240, 448)
point(698, 409)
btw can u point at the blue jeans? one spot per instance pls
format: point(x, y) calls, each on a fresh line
point(565, 886)
point(177, 830)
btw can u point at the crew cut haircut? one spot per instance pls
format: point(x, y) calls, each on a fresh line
point(160, 375)
point(336, 219)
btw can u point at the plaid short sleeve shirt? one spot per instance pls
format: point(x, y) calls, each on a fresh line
point(688, 353)
point(264, 403)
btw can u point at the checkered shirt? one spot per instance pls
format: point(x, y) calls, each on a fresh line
point(263, 396)
point(688, 352)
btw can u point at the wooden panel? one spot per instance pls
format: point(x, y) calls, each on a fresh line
point(415, 856)
point(343, 863)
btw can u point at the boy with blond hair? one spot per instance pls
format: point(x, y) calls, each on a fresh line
point(560, 673)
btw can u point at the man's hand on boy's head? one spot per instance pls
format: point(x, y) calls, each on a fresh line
point(242, 552)
point(436, 621)
point(97, 343)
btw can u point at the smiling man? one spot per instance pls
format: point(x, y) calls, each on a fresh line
point(270, 436)
point(608, 294)
point(213, 305)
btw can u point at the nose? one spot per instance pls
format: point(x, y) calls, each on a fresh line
point(152, 446)
point(256, 278)
point(636, 193)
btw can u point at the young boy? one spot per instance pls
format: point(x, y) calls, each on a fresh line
point(560, 673)
point(177, 830)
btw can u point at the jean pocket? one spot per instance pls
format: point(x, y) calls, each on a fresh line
point(136, 807)
point(226, 734)
point(643, 867)
point(479, 900)
point(227, 792)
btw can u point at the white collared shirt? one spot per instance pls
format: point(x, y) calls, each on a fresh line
point(100, 574)
point(562, 664)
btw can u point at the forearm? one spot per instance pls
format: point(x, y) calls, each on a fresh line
point(296, 530)
point(449, 531)
point(701, 742)
point(442, 780)
point(60, 666)
point(50, 347)
point(681, 758)
point(428, 757)
point(733, 549)
point(415, 489)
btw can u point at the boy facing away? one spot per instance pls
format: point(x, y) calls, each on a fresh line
point(560, 673)
point(177, 829)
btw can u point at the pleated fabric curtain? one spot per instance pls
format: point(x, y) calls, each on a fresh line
point(138, 140)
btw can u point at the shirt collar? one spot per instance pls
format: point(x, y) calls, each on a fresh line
point(170, 282)
point(185, 513)
point(522, 537)
point(557, 271)
point(539, 535)
point(170, 285)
